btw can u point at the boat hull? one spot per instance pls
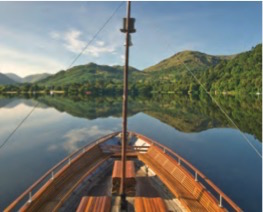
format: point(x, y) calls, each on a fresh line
point(179, 177)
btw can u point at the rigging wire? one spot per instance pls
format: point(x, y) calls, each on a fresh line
point(95, 35)
point(19, 125)
point(71, 64)
point(216, 102)
point(223, 111)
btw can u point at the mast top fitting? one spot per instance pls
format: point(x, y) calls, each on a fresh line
point(131, 26)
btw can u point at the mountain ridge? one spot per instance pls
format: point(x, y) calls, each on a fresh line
point(224, 74)
point(32, 78)
point(93, 71)
point(14, 77)
point(4, 80)
point(200, 59)
point(87, 72)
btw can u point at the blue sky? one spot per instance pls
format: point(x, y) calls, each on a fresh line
point(37, 37)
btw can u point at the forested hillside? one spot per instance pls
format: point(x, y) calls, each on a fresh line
point(241, 73)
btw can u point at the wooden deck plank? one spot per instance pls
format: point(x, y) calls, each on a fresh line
point(52, 194)
point(117, 169)
point(181, 185)
point(95, 204)
point(149, 185)
point(176, 187)
point(130, 181)
point(147, 204)
point(128, 155)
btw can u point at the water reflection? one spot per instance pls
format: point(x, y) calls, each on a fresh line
point(74, 137)
point(185, 113)
point(191, 125)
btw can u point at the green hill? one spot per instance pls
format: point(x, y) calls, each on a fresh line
point(28, 79)
point(14, 77)
point(232, 74)
point(172, 75)
point(193, 59)
point(35, 77)
point(86, 73)
point(240, 74)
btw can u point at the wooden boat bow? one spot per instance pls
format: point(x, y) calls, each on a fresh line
point(157, 157)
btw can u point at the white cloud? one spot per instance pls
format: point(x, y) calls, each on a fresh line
point(96, 51)
point(76, 136)
point(28, 52)
point(74, 43)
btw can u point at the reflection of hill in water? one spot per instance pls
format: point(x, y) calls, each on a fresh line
point(4, 102)
point(88, 107)
point(191, 114)
point(187, 114)
point(13, 101)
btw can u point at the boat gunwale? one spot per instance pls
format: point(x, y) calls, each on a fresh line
point(77, 153)
point(66, 196)
point(199, 173)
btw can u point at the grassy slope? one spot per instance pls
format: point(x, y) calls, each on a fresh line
point(93, 72)
point(83, 73)
point(223, 73)
point(193, 59)
point(35, 77)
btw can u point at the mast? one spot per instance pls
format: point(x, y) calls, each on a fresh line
point(128, 27)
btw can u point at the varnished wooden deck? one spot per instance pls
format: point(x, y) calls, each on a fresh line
point(99, 184)
point(95, 204)
point(147, 185)
point(192, 195)
point(52, 196)
point(159, 178)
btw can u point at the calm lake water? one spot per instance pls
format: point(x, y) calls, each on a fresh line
point(191, 126)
